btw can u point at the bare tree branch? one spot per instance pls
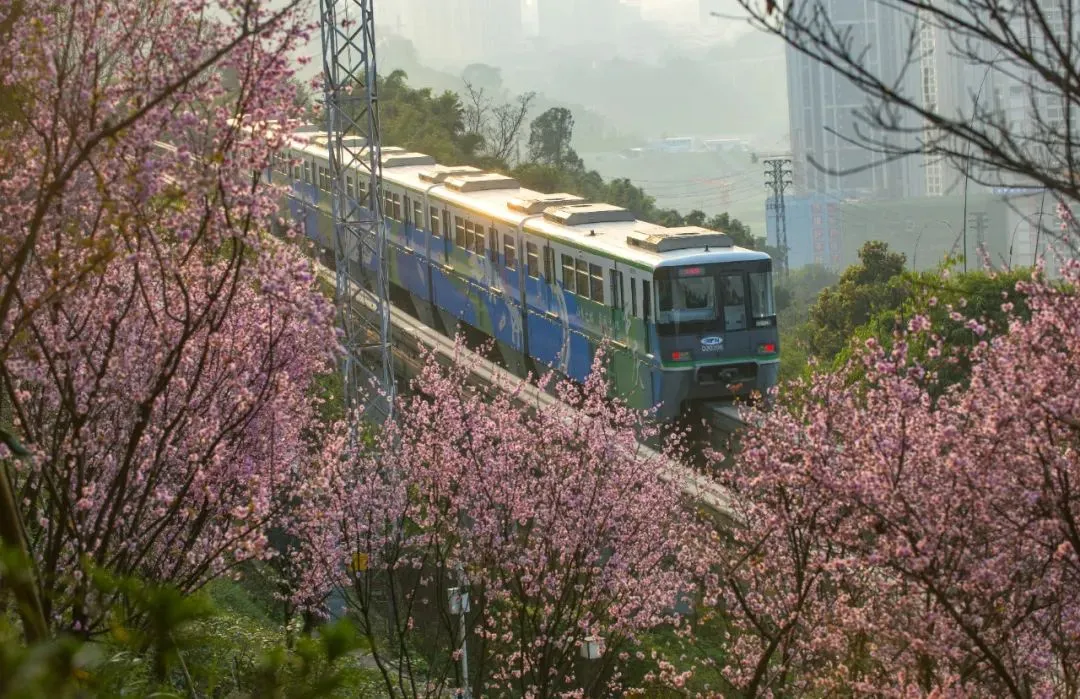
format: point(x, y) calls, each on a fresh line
point(498, 124)
point(1025, 46)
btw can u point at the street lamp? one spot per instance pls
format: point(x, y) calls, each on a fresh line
point(459, 604)
point(592, 647)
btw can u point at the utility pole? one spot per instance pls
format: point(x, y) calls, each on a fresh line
point(352, 126)
point(778, 179)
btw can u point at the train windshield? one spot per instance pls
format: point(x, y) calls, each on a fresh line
point(725, 298)
point(684, 298)
point(762, 304)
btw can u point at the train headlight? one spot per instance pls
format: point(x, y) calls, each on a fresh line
point(767, 348)
point(682, 356)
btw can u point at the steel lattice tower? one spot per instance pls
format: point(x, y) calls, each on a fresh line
point(352, 125)
point(779, 172)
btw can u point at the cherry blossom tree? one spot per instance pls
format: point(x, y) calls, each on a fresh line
point(898, 542)
point(549, 515)
point(157, 346)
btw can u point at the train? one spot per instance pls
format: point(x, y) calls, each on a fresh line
point(688, 317)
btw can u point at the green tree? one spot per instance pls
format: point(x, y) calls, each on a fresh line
point(549, 139)
point(978, 296)
point(739, 231)
point(422, 121)
point(865, 288)
point(795, 295)
point(438, 125)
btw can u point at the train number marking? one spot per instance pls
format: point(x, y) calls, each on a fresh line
point(713, 343)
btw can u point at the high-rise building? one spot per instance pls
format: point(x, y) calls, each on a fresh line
point(821, 102)
point(822, 108)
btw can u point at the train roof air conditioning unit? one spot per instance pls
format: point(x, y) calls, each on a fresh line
point(587, 214)
point(536, 205)
point(660, 239)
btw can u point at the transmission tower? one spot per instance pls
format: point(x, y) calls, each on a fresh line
point(352, 126)
point(979, 223)
point(778, 174)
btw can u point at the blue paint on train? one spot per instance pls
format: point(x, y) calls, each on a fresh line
point(548, 324)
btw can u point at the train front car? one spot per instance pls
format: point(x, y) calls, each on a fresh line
point(715, 326)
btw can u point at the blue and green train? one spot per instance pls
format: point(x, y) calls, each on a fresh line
point(688, 316)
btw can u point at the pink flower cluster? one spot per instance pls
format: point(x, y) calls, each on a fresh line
point(157, 345)
point(563, 530)
point(901, 545)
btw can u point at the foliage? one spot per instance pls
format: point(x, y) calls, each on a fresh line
point(157, 345)
point(948, 300)
point(795, 295)
point(548, 516)
point(478, 132)
point(163, 643)
point(864, 289)
point(549, 140)
point(895, 543)
point(420, 121)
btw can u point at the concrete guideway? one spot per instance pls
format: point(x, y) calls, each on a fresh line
point(410, 338)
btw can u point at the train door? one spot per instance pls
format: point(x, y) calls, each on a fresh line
point(446, 231)
point(646, 313)
point(618, 305)
point(548, 288)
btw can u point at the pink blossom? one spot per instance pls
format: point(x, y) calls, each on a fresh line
point(931, 540)
point(159, 345)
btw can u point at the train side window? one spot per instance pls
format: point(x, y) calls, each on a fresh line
point(617, 300)
point(633, 296)
point(418, 213)
point(446, 222)
point(395, 199)
point(532, 260)
point(510, 252)
point(568, 273)
point(549, 264)
point(646, 300)
point(324, 178)
point(478, 241)
point(307, 171)
point(733, 293)
point(434, 221)
point(350, 190)
point(470, 236)
point(583, 278)
point(493, 244)
point(388, 205)
point(406, 209)
point(459, 232)
point(596, 279)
